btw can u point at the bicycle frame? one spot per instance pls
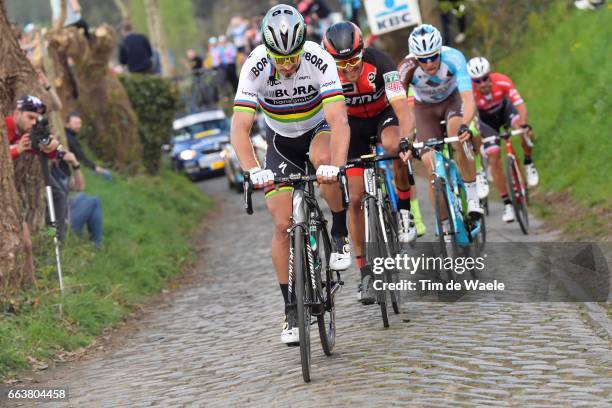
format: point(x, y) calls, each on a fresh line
point(510, 153)
point(389, 175)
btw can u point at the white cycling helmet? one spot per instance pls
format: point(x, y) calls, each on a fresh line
point(283, 30)
point(478, 67)
point(424, 41)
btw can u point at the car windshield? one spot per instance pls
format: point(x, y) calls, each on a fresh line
point(200, 130)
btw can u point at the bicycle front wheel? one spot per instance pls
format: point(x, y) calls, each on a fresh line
point(303, 298)
point(323, 276)
point(375, 249)
point(517, 194)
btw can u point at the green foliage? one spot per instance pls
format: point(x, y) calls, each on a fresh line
point(155, 105)
point(564, 75)
point(148, 226)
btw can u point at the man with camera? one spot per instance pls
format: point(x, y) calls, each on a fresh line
point(28, 111)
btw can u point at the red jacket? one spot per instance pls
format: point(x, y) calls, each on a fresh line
point(14, 138)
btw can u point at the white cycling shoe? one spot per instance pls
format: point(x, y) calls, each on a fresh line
point(407, 229)
point(291, 333)
point(532, 175)
point(482, 185)
point(474, 207)
point(508, 215)
point(340, 258)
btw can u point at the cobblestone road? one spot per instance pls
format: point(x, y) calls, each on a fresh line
point(218, 344)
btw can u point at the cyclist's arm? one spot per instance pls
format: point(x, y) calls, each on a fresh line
point(522, 110)
point(335, 115)
point(241, 127)
point(469, 106)
point(404, 114)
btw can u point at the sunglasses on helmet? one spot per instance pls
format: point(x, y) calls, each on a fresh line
point(481, 79)
point(351, 62)
point(431, 58)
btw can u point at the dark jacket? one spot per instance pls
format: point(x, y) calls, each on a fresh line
point(135, 52)
point(75, 147)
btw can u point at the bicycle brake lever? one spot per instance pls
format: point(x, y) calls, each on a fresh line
point(248, 189)
point(344, 187)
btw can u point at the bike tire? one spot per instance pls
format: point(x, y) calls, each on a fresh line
point(392, 248)
point(441, 205)
point(377, 251)
point(517, 197)
point(300, 265)
point(326, 320)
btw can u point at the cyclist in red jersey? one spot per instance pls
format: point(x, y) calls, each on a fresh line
point(499, 104)
point(377, 106)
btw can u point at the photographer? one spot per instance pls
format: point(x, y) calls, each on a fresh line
point(20, 124)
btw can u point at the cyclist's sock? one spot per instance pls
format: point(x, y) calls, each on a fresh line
point(285, 289)
point(470, 189)
point(527, 160)
point(338, 228)
point(403, 199)
point(506, 199)
point(360, 261)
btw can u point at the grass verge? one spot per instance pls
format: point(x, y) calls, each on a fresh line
point(149, 227)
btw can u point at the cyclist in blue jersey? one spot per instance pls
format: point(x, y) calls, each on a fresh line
point(442, 91)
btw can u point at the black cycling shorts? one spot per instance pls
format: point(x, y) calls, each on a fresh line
point(502, 115)
point(364, 128)
point(289, 155)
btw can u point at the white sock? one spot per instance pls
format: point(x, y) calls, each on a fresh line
point(472, 192)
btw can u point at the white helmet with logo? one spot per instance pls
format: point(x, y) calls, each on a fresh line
point(478, 67)
point(424, 41)
point(283, 30)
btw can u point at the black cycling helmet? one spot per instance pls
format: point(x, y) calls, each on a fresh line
point(31, 103)
point(343, 40)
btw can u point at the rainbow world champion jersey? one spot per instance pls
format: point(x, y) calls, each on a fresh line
point(292, 106)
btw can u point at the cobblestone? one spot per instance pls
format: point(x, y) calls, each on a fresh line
point(217, 344)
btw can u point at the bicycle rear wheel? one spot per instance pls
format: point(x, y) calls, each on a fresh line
point(303, 298)
point(517, 194)
point(375, 249)
point(323, 276)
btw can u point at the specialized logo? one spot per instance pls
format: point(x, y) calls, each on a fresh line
point(283, 167)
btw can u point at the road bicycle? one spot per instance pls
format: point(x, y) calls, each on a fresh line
point(517, 188)
point(467, 235)
point(312, 283)
point(381, 223)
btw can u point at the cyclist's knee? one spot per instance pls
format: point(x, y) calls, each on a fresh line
point(390, 142)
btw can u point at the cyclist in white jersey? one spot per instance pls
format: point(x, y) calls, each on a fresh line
point(443, 91)
point(296, 85)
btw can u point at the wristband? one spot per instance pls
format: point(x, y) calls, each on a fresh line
point(48, 87)
point(78, 166)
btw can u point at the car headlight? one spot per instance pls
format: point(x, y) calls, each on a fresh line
point(188, 154)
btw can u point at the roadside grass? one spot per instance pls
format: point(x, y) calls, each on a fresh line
point(149, 228)
point(564, 75)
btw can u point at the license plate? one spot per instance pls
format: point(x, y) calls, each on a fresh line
point(217, 165)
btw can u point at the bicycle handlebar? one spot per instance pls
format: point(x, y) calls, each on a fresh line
point(293, 180)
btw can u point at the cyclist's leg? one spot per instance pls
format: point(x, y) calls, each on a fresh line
point(320, 154)
point(467, 168)
point(492, 148)
point(516, 120)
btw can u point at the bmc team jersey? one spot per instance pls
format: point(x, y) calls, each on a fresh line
point(452, 75)
point(292, 106)
point(502, 88)
point(378, 83)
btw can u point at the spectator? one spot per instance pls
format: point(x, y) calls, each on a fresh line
point(135, 51)
point(79, 210)
point(73, 127)
point(28, 41)
point(448, 9)
point(317, 13)
point(236, 33)
point(55, 99)
point(73, 18)
point(351, 10)
point(18, 126)
point(253, 34)
point(229, 55)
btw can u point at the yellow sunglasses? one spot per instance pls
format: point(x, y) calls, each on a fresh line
point(351, 62)
point(283, 60)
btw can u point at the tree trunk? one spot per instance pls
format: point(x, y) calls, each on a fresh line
point(16, 76)
point(158, 37)
point(125, 9)
point(111, 125)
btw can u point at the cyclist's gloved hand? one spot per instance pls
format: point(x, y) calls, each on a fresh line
point(261, 177)
point(327, 174)
point(464, 133)
point(405, 150)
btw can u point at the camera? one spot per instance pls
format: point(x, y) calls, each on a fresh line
point(40, 134)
